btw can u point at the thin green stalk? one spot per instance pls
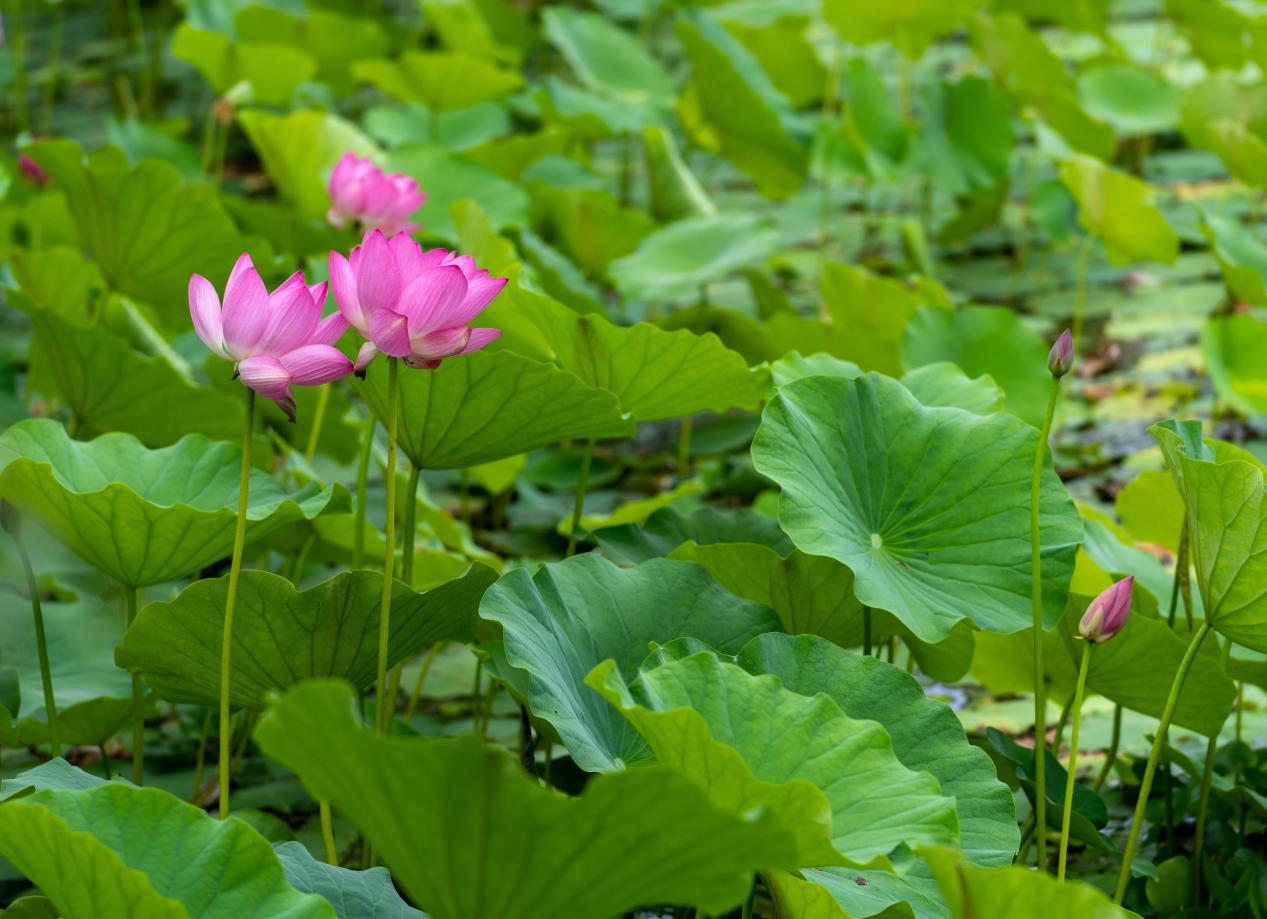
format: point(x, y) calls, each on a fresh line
point(209, 128)
point(747, 905)
point(1027, 836)
point(578, 508)
point(422, 678)
point(1036, 580)
point(235, 570)
point(1070, 782)
point(1060, 726)
point(411, 516)
point(1150, 770)
point(477, 697)
point(327, 833)
point(17, 40)
point(866, 631)
point(138, 700)
point(54, 68)
point(684, 446)
point(1080, 294)
point(41, 645)
point(464, 496)
point(382, 712)
point(1110, 755)
point(137, 24)
point(200, 760)
point(318, 416)
point(362, 490)
point(1181, 579)
point(1203, 804)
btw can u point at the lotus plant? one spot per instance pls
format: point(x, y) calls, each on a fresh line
point(1059, 362)
point(1104, 618)
point(275, 340)
point(414, 306)
point(362, 193)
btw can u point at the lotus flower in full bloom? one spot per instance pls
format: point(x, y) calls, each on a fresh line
point(363, 194)
point(412, 304)
point(276, 340)
point(1106, 616)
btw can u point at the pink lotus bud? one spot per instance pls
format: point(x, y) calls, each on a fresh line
point(32, 171)
point(1060, 357)
point(1106, 616)
point(276, 339)
point(412, 304)
point(363, 194)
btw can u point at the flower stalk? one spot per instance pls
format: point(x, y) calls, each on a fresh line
point(41, 644)
point(382, 712)
point(1070, 781)
point(235, 570)
point(138, 700)
point(578, 506)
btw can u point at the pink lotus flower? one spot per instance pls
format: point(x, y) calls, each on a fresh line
point(362, 193)
point(1106, 616)
point(276, 339)
point(412, 304)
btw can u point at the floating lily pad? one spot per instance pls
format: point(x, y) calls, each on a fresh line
point(145, 516)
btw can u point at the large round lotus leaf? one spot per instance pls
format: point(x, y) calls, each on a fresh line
point(696, 709)
point(144, 516)
point(489, 405)
point(468, 835)
point(368, 894)
point(119, 850)
point(929, 506)
point(282, 635)
point(569, 617)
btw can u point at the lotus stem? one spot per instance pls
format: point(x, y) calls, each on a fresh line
point(41, 645)
point(235, 570)
point(318, 417)
point(200, 758)
point(1080, 294)
point(422, 679)
point(578, 508)
point(382, 713)
point(1180, 581)
point(54, 68)
point(17, 33)
point(684, 446)
point(866, 631)
point(1070, 782)
point(1150, 770)
point(327, 833)
point(1110, 755)
point(362, 490)
point(1036, 578)
point(411, 515)
point(1203, 805)
point(138, 700)
point(477, 697)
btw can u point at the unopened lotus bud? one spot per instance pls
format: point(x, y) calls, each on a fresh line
point(1106, 616)
point(1060, 357)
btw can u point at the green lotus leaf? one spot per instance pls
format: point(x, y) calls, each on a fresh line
point(569, 617)
point(88, 723)
point(146, 853)
point(1233, 347)
point(1227, 528)
point(1151, 509)
point(146, 229)
point(656, 374)
point(1225, 116)
point(874, 310)
point(282, 635)
point(650, 834)
point(984, 340)
point(1014, 891)
point(1242, 257)
point(367, 894)
point(842, 893)
point(673, 191)
point(299, 149)
point(489, 405)
point(737, 734)
point(669, 528)
point(272, 69)
point(333, 40)
point(109, 386)
point(441, 80)
point(669, 264)
point(910, 25)
point(928, 506)
point(447, 177)
point(943, 383)
point(784, 45)
point(967, 136)
point(1111, 551)
point(605, 57)
point(1118, 210)
point(1219, 34)
point(926, 735)
point(744, 112)
point(1133, 100)
point(55, 774)
point(144, 516)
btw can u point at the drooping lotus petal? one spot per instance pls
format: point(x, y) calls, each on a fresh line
point(432, 300)
point(266, 375)
point(363, 357)
point(480, 338)
point(245, 315)
point(437, 345)
point(204, 309)
point(312, 365)
point(390, 332)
